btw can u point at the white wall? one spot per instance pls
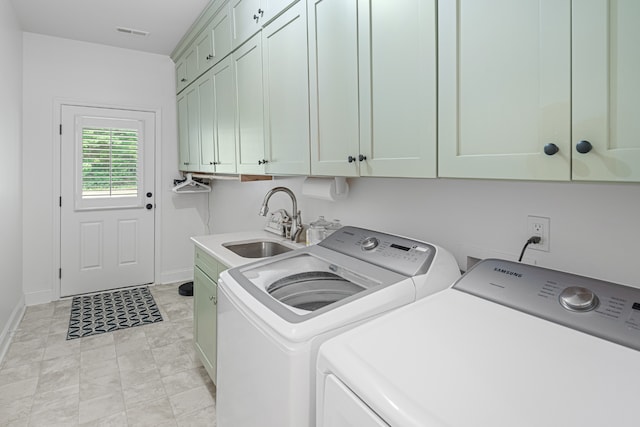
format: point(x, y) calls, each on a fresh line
point(59, 69)
point(11, 297)
point(595, 228)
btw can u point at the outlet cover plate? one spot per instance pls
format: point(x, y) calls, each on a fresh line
point(539, 226)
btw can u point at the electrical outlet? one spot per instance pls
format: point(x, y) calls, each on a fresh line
point(539, 226)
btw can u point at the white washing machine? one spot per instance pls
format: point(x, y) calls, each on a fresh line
point(274, 314)
point(508, 345)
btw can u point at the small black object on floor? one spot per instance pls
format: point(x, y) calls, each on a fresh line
point(186, 289)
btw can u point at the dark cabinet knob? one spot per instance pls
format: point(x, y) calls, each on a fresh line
point(149, 194)
point(362, 157)
point(149, 206)
point(256, 17)
point(351, 159)
point(209, 57)
point(263, 162)
point(583, 147)
point(183, 80)
point(550, 149)
point(261, 12)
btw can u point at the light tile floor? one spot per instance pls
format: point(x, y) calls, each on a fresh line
point(143, 376)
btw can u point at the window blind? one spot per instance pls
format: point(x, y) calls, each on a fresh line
point(109, 162)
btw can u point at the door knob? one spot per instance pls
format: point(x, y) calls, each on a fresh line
point(583, 147)
point(550, 149)
point(149, 194)
point(149, 206)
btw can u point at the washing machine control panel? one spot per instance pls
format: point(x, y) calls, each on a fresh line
point(603, 309)
point(405, 256)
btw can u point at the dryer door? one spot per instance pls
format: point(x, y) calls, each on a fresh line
point(342, 408)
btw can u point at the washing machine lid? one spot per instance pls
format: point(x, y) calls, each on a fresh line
point(305, 283)
point(454, 359)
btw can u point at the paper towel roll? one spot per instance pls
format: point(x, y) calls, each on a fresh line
point(330, 189)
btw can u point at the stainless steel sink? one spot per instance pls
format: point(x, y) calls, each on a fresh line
point(259, 249)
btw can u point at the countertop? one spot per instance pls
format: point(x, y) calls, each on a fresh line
point(213, 245)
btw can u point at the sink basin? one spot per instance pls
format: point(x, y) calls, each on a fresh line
point(258, 249)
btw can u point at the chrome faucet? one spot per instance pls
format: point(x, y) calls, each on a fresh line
point(296, 221)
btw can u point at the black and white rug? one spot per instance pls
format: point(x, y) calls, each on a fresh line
point(110, 311)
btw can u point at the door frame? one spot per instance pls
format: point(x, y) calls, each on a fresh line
point(58, 103)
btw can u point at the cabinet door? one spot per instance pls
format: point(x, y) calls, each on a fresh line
point(221, 34)
point(206, 123)
point(204, 50)
point(334, 86)
point(273, 8)
point(606, 89)
point(247, 61)
point(286, 93)
point(205, 320)
point(189, 129)
point(191, 63)
point(183, 132)
point(181, 75)
point(245, 20)
point(504, 88)
point(402, 130)
point(224, 115)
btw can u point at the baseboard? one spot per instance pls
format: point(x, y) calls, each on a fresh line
point(12, 325)
point(176, 276)
point(39, 297)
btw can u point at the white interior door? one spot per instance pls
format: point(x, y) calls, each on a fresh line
point(107, 203)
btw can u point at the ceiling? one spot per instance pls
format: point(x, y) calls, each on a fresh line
point(96, 21)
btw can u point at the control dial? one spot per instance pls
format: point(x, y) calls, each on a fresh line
point(370, 243)
point(576, 298)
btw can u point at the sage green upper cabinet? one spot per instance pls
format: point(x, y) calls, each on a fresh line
point(245, 20)
point(334, 84)
point(249, 16)
point(207, 124)
point(286, 93)
point(188, 103)
point(247, 62)
point(504, 89)
point(224, 119)
point(209, 42)
point(273, 8)
point(375, 113)
point(214, 43)
point(399, 139)
point(186, 69)
point(606, 90)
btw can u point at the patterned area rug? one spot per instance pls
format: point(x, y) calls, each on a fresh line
point(110, 311)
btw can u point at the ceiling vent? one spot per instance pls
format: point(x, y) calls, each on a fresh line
point(133, 32)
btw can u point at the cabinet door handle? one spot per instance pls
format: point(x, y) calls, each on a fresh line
point(263, 162)
point(362, 157)
point(261, 12)
point(256, 17)
point(550, 149)
point(209, 57)
point(583, 147)
point(183, 80)
point(351, 159)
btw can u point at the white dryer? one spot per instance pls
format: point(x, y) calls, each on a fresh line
point(508, 345)
point(274, 314)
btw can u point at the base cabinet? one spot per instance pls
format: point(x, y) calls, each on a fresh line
point(205, 312)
